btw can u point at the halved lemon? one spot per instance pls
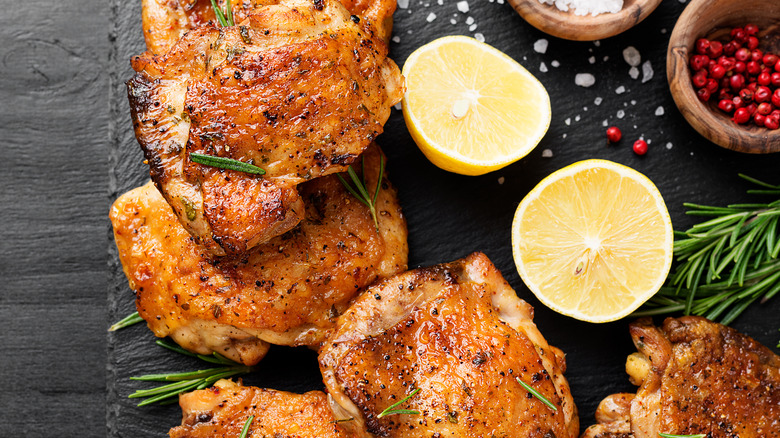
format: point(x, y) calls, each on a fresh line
point(593, 240)
point(470, 108)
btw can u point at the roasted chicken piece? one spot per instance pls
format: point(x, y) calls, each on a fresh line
point(299, 90)
point(287, 291)
point(223, 409)
point(459, 334)
point(695, 377)
point(166, 21)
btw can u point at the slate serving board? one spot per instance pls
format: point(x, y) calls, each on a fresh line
point(449, 215)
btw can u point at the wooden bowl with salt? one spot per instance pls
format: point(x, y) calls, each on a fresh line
point(567, 25)
point(714, 19)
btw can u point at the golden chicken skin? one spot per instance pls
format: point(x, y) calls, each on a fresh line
point(298, 89)
point(288, 291)
point(224, 409)
point(166, 21)
point(695, 377)
point(455, 339)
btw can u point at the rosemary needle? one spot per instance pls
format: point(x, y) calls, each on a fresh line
point(133, 318)
point(536, 394)
point(361, 190)
point(390, 410)
point(245, 430)
point(226, 163)
point(224, 18)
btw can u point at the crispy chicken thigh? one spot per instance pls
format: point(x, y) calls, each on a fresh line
point(166, 21)
point(287, 291)
point(695, 377)
point(299, 90)
point(459, 334)
point(222, 411)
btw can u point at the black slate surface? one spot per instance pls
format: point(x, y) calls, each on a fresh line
point(68, 150)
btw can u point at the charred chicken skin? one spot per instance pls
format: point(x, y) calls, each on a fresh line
point(222, 411)
point(695, 377)
point(287, 291)
point(166, 21)
point(459, 334)
point(298, 89)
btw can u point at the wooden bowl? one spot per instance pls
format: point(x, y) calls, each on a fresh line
point(566, 25)
point(714, 19)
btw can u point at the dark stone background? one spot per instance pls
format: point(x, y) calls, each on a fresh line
point(68, 151)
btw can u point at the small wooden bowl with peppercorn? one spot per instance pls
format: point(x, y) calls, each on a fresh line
point(723, 67)
point(568, 25)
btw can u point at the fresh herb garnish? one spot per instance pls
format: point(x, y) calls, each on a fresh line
point(186, 381)
point(226, 163)
point(133, 318)
point(536, 394)
point(245, 429)
point(361, 193)
point(668, 435)
point(725, 263)
point(392, 411)
point(224, 18)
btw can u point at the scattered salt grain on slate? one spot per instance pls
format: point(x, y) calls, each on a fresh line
point(473, 27)
point(470, 20)
point(669, 145)
point(647, 71)
point(620, 90)
point(479, 37)
point(597, 43)
point(620, 114)
point(592, 60)
point(567, 121)
point(659, 111)
point(430, 17)
point(555, 63)
point(564, 135)
point(598, 101)
point(540, 46)
point(501, 180)
point(584, 108)
point(633, 72)
point(631, 56)
point(606, 58)
point(633, 102)
point(396, 39)
point(463, 6)
point(403, 4)
point(500, 2)
point(547, 153)
point(453, 21)
point(543, 68)
point(604, 122)
point(577, 118)
point(398, 106)
point(584, 79)
point(439, 2)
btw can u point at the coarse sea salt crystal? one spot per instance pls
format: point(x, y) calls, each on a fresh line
point(620, 114)
point(473, 27)
point(584, 79)
point(543, 68)
point(567, 121)
point(577, 118)
point(631, 56)
point(479, 37)
point(501, 180)
point(463, 6)
point(555, 63)
point(647, 71)
point(396, 39)
point(604, 122)
point(430, 17)
point(598, 101)
point(403, 4)
point(469, 20)
point(540, 46)
point(633, 72)
point(547, 153)
point(659, 111)
point(620, 90)
point(592, 60)
point(453, 21)
point(669, 145)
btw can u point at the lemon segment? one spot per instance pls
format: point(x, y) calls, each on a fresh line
point(593, 240)
point(470, 108)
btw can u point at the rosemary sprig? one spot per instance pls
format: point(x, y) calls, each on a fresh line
point(186, 381)
point(361, 190)
point(668, 435)
point(536, 394)
point(127, 321)
point(226, 163)
point(725, 263)
point(245, 429)
point(392, 411)
point(224, 18)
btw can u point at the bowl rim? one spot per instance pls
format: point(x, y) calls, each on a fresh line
point(564, 24)
point(711, 124)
